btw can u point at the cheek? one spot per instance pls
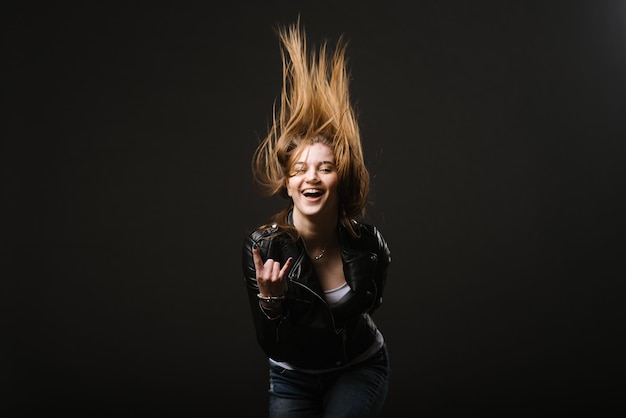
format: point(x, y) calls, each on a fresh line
point(334, 185)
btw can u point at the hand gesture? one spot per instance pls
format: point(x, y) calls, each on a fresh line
point(270, 276)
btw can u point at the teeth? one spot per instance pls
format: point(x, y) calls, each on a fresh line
point(311, 191)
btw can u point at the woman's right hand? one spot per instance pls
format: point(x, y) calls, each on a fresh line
point(270, 276)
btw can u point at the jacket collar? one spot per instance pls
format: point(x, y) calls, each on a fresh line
point(356, 262)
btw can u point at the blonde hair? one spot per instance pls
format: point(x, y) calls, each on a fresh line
point(314, 107)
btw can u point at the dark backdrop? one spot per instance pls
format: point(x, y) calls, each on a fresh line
point(495, 135)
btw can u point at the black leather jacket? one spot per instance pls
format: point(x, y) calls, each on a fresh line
point(309, 334)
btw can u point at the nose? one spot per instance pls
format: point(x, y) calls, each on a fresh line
point(312, 175)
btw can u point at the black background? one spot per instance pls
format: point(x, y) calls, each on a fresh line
point(494, 132)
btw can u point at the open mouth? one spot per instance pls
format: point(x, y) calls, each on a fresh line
point(312, 193)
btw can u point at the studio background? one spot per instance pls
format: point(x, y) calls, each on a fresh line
point(494, 133)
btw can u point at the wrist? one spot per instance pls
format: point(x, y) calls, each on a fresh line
point(270, 303)
point(271, 300)
point(270, 306)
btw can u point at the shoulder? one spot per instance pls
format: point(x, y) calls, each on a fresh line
point(267, 237)
point(367, 231)
point(264, 232)
point(261, 234)
point(369, 237)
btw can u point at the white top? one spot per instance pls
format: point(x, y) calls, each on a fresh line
point(334, 295)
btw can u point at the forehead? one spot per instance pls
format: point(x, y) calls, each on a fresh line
point(315, 153)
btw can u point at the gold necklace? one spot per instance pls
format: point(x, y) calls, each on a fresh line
point(320, 255)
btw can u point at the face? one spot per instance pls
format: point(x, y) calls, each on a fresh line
point(313, 183)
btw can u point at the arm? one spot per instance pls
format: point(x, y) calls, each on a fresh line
point(382, 266)
point(267, 278)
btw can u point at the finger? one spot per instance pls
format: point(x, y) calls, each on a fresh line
point(283, 271)
point(276, 270)
point(256, 256)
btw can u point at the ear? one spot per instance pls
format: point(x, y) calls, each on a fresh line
point(286, 184)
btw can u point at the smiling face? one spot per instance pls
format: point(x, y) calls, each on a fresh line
point(312, 184)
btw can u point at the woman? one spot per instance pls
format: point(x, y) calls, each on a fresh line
point(315, 273)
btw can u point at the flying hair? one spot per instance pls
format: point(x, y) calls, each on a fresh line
point(314, 106)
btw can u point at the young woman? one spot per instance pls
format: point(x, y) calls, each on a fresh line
point(315, 273)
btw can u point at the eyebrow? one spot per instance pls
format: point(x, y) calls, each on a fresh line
point(322, 163)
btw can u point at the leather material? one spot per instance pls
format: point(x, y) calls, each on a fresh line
point(309, 333)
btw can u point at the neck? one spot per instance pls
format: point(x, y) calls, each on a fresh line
point(316, 234)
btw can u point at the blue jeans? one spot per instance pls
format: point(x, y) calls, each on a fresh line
point(357, 391)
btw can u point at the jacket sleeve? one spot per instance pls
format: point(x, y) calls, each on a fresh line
point(268, 326)
point(382, 267)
